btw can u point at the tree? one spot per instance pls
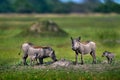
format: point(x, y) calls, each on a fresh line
point(90, 5)
point(5, 6)
point(56, 6)
point(108, 6)
point(39, 6)
point(22, 6)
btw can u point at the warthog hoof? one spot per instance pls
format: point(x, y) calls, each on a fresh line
point(94, 62)
point(75, 63)
point(37, 64)
point(26, 64)
point(82, 63)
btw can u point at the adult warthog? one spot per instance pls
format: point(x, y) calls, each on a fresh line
point(83, 48)
point(37, 53)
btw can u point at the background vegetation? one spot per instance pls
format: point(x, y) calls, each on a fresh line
point(57, 6)
point(102, 29)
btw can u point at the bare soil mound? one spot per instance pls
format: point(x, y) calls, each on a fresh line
point(44, 28)
point(62, 63)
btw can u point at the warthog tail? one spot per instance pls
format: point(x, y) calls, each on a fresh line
point(20, 50)
point(19, 53)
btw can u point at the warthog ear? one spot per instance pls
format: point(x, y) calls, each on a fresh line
point(79, 38)
point(105, 51)
point(71, 38)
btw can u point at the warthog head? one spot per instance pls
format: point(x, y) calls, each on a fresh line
point(75, 43)
point(53, 56)
point(105, 53)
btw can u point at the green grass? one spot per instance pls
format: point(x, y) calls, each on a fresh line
point(104, 30)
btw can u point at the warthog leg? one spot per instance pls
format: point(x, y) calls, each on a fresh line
point(33, 60)
point(109, 60)
point(82, 59)
point(76, 57)
point(24, 60)
point(92, 53)
point(41, 60)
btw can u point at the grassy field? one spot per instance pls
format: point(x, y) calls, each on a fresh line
point(102, 29)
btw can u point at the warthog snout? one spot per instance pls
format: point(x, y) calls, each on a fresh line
point(102, 56)
point(54, 56)
point(55, 60)
point(74, 49)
